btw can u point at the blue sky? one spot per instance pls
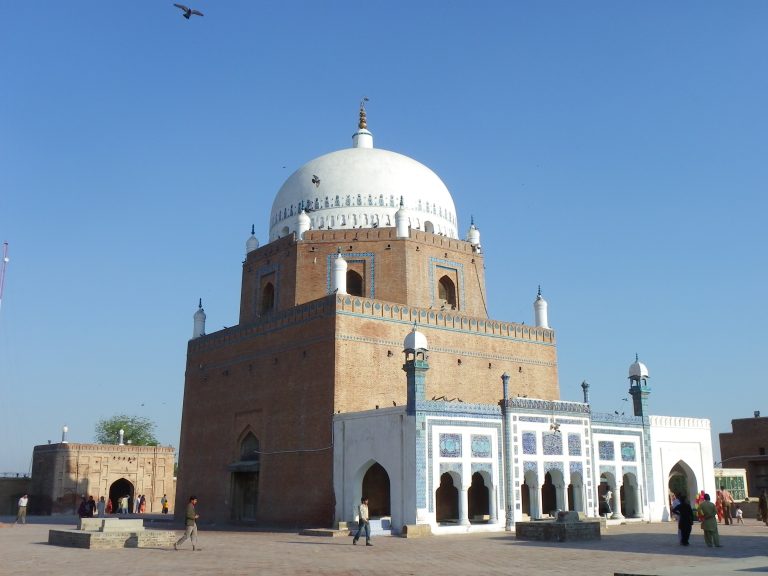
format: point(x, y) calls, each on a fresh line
point(613, 152)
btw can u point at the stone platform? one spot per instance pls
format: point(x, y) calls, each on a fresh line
point(568, 527)
point(103, 533)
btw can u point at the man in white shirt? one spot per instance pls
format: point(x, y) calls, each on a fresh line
point(363, 523)
point(21, 515)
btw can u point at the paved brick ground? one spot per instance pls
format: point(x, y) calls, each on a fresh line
point(630, 549)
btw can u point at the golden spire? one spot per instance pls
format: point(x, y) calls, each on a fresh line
point(362, 125)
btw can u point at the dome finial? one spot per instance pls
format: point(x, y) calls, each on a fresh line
point(637, 357)
point(200, 304)
point(253, 229)
point(539, 294)
point(363, 124)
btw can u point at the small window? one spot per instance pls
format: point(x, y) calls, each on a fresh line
point(446, 291)
point(249, 448)
point(267, 298)
point(354, 283)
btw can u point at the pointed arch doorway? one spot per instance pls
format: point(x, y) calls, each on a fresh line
point(117, 490)
point(376, 489)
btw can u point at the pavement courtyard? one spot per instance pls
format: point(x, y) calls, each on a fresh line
point(637, 549)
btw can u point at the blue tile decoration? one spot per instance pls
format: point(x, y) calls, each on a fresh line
point(628, 452)
point(530, 466)
point(450, 266)
point(607, 470)
point(450, 445)
point(369, 258)
point(574, 444)
point(576, 468)
point(553, 443)
point(529, 442)
point(629, 470)
point(549, 466)
point(450, 467)
point(605, 450)
point(539, 419)
point(481, 446)
point(482, 467)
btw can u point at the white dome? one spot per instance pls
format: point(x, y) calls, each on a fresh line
point(638, 370)
point(361, 187)
point(415, 340)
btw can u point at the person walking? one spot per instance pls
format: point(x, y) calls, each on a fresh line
point(763, 506)
point(684, 514)
point(363, 522)
point(727, 505)
point(101, 507)
point(708, 513)
point(191, 525)
point(164, 504)
point(21, 514)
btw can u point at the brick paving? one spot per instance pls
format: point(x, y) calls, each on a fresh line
point(629, 549)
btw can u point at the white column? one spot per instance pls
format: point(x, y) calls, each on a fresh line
point(560, 497)
point(616, 502)
point(463, 506)
point(536, 504)
point(492, 504)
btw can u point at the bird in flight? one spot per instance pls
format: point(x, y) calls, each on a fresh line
point(188, 11)
point(315, 180)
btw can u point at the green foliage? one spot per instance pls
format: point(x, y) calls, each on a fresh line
point(139, 430)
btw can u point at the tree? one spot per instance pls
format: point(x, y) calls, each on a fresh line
point(138, 430)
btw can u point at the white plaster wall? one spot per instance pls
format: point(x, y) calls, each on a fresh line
point(386, 436)
point(674, 439)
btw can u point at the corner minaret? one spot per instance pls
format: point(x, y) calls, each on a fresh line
point(252, 243)
point(638, 387)
point(473, 236)
point(199, 319)
point(362, 138)
point(339, 275)
point(540, 311)
point(415, 348)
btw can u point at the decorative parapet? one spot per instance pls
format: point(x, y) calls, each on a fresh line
point(548, 406)
point(607, 418)
point(274, 321)
point(679, 422)
point(458, 408)
point(450, 320)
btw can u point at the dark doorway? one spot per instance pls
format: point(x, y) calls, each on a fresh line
point(525, 498)
point(446, 500)
point(246, 495)
point(376, 489)
point(548, 497)
point(571, 502)
point(117, 490)
point(478, 499)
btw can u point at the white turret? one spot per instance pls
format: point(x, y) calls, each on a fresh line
point(401, 221)
point(199, 329)
point(638, 371)
point(303, 224)
point(362, 138)
point(415, 342)
point(540, 311)
point(339, 275)
point(473, 236)
point(252, 243)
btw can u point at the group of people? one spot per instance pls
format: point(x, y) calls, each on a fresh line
point(89, 507)
point(709, 514)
